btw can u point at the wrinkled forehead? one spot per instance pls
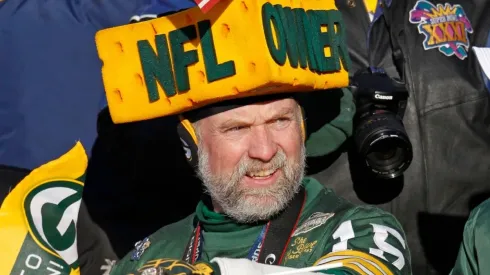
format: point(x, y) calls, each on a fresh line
point(240, 107)
point(258, 112)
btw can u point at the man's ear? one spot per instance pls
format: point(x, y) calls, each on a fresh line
point(188, 137)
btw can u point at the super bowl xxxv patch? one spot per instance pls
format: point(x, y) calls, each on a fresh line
point(315, 220)
point(445, 27)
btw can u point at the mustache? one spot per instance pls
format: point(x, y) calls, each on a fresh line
point(248, 165)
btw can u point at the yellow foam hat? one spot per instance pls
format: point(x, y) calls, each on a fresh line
point(189, 59)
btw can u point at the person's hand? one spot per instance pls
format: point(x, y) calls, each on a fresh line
point(176, 267)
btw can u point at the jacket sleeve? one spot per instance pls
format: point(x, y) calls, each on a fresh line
point(367, 240)
point(476, 243)
point(122, 267)
point(96, 255)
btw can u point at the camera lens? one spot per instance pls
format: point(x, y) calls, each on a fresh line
point(382, 140)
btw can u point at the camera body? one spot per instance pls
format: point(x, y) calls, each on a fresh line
point(379, 134)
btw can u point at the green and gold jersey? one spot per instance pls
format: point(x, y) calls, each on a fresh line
point(364, 239)
point(475, 249)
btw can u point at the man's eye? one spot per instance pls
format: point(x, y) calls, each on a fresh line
point(281, 122)
point(236, 129)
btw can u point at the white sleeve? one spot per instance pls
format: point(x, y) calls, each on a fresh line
point(229, 266)
point(483, 56)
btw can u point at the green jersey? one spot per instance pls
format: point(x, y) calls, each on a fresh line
point(366, 240)
point(475, 249)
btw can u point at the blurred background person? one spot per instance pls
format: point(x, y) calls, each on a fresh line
point(475, 247)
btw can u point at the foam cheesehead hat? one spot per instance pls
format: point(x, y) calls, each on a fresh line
point(190, 61)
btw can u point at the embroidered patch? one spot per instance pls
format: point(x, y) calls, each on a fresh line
point(445, 27)
point(299, 247)
point(173, 266)
point(315, 220)
point(139, 248)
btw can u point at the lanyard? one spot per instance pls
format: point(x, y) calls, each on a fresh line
point(273, 239)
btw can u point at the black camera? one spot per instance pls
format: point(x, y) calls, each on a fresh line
point(379, 135)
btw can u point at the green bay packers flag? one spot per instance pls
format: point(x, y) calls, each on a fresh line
point(38, 219)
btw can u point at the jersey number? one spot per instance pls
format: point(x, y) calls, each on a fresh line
point(345, 232)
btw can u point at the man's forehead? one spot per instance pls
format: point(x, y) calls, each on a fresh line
point(264, 109)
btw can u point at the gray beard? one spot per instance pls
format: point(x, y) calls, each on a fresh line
point(249, 205)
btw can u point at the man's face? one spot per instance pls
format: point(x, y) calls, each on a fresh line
point(252, 158)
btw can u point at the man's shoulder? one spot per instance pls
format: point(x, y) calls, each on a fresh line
point(174, 229)
point(334, 229)
point(479, 219)
point(475, 242)
point(326, 201)
point(169, 242)
point(322, 198)
point(482, 209)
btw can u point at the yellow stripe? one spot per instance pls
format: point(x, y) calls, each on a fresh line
point(303, 130)
point(188, 126)
point(353, 267)
point(359, 265)
point(352, 259)
point(371, 5)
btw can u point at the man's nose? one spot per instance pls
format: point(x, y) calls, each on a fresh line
point(262, 145)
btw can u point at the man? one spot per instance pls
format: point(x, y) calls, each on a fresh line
point(244, 131)
point(251, 162)
point(475, 247)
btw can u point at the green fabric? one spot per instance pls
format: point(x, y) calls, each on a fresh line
point(339, 271)
point(474, 253)
point(327, 125)
point(215, 222)
point(325, 226)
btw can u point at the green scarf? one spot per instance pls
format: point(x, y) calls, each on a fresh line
point(216, 222)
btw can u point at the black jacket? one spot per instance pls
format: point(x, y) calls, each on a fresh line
point(448, 122)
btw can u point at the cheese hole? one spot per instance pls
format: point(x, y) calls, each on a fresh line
point(201, 76)
point(118, 94)
point(139, 79)
point(119, 46)
point(251, 67)
point(225, 30)
point(244, 6)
